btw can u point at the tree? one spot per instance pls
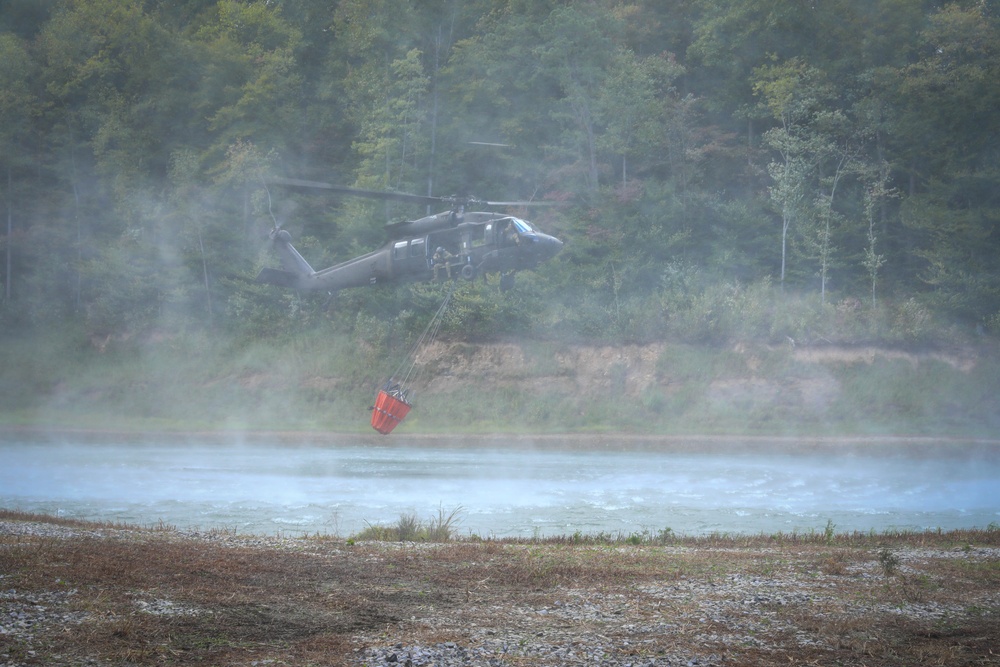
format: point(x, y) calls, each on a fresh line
point(946, 134)
point(111, 64)
point(17, 106)
point(875, 181)
point(633, 106)
point(836, 156)
point(250, 88)
point(24, 18)
point(391, 141)
point(184, 176)
point(792, 92)
point(576, 53)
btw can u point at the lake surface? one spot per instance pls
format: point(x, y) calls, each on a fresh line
point(499, 491)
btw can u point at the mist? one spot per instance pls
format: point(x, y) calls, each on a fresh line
point(497, 492)
point(706, 286)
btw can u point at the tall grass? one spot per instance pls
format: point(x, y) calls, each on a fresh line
point(411, 529)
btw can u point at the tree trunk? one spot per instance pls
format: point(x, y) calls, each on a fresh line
point(10, 230)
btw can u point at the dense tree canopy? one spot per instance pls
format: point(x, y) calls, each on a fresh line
point(758, 168)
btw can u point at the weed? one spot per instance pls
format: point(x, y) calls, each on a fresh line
point(409, 528)
point(888, 561)
point(829, 531)
point(440, 530)
point(835, 564)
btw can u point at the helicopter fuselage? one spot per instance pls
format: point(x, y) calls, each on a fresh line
point(436, 247)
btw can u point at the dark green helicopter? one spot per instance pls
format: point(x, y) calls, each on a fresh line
point(452, 244)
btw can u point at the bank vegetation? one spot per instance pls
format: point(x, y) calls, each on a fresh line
point(740, 182)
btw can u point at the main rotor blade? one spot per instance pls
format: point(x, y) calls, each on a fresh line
point(454, 201)
point(371, 194)
point(521, 203)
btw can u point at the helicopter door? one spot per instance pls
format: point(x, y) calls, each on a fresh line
point(508, 233)
point(409, 257)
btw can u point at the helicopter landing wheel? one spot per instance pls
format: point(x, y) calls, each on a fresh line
point(468, 272)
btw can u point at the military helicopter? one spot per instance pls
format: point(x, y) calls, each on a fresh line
point(448, 245)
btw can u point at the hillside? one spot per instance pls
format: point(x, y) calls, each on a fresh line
point(666, 387)
point(322, 385)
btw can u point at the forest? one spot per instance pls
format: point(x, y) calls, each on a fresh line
point(763, 170)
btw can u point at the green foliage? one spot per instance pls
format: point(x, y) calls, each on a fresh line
point(737, 171)
point(17, 98)
point(479, 311)
point(410, 529)
point(888, 561)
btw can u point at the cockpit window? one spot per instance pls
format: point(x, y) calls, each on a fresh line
point(522, 226)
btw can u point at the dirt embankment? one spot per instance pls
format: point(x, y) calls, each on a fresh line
point(579, 369)
point(543, 387)
point(795, 375)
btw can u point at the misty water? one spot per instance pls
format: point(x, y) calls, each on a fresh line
point(520, 491)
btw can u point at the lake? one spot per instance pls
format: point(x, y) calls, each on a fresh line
point(514, 490)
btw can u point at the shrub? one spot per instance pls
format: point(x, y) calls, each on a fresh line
point(888, 561)
point(410, 529)
point(911, 322)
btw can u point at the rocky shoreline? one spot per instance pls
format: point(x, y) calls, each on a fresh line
point(585, 441)
point(391, 604)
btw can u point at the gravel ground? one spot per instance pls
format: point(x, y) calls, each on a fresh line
point(292, 601)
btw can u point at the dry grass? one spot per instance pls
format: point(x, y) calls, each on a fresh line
point(123, 595)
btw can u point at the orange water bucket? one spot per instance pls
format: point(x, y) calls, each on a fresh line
point(388, 411)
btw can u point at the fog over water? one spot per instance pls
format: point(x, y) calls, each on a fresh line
point(505, 492)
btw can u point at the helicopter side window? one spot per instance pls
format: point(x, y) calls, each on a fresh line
point(508, 232)
point(418, 248)
point(399, 250)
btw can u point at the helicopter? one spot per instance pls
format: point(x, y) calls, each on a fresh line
point(447, 245)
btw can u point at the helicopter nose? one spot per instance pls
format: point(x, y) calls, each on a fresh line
point(548, 246)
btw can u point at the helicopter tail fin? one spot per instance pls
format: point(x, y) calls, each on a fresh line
point(295, 268)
